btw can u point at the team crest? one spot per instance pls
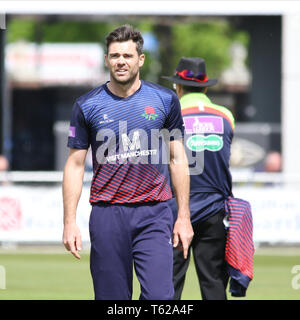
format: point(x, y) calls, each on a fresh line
point(149, 113)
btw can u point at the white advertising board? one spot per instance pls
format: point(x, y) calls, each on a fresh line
point(275, 211)
point(55, 63)
point(35, 214)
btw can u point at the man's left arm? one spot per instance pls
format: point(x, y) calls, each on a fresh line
point(179, 171)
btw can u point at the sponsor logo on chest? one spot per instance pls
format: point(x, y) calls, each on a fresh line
point(200, 143)
point(106, 119)
point(203, 124)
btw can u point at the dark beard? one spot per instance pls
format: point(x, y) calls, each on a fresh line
point(125, 82)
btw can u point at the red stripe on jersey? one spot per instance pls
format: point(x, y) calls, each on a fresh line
point(129, 183)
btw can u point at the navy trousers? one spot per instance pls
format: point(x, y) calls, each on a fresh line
point(123, 236)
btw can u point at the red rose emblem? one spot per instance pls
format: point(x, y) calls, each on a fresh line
point(150, 110)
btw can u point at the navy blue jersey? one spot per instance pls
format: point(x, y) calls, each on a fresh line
point(208, 136)
point(127, 138)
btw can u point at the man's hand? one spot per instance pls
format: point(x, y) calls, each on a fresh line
point(182, 235)
point(72, 239)
point(72, 187)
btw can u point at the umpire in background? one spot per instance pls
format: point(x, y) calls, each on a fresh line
point(208, 135)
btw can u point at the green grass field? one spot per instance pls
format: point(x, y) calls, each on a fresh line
point(57, 275)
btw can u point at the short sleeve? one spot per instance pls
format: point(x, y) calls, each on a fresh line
point(78, 131)
point(174, 122)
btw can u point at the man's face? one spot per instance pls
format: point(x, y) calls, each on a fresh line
point(123, 61)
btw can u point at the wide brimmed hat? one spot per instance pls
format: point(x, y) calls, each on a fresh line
point(191, 72)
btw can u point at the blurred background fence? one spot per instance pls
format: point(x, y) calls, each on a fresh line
point(31, 207)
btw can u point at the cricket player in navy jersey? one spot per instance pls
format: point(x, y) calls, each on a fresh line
point(208, 135)
point(131, 223)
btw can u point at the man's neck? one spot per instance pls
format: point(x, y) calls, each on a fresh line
point(125, 90)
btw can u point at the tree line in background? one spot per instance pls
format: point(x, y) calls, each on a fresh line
point(171, 38)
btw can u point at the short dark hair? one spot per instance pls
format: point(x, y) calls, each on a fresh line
point(126, 33)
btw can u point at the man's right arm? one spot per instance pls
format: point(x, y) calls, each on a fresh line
point(72, 187)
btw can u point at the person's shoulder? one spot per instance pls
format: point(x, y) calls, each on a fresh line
point(223, 108)
point(89, 97)
point(159, 89)
point(222, 111)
